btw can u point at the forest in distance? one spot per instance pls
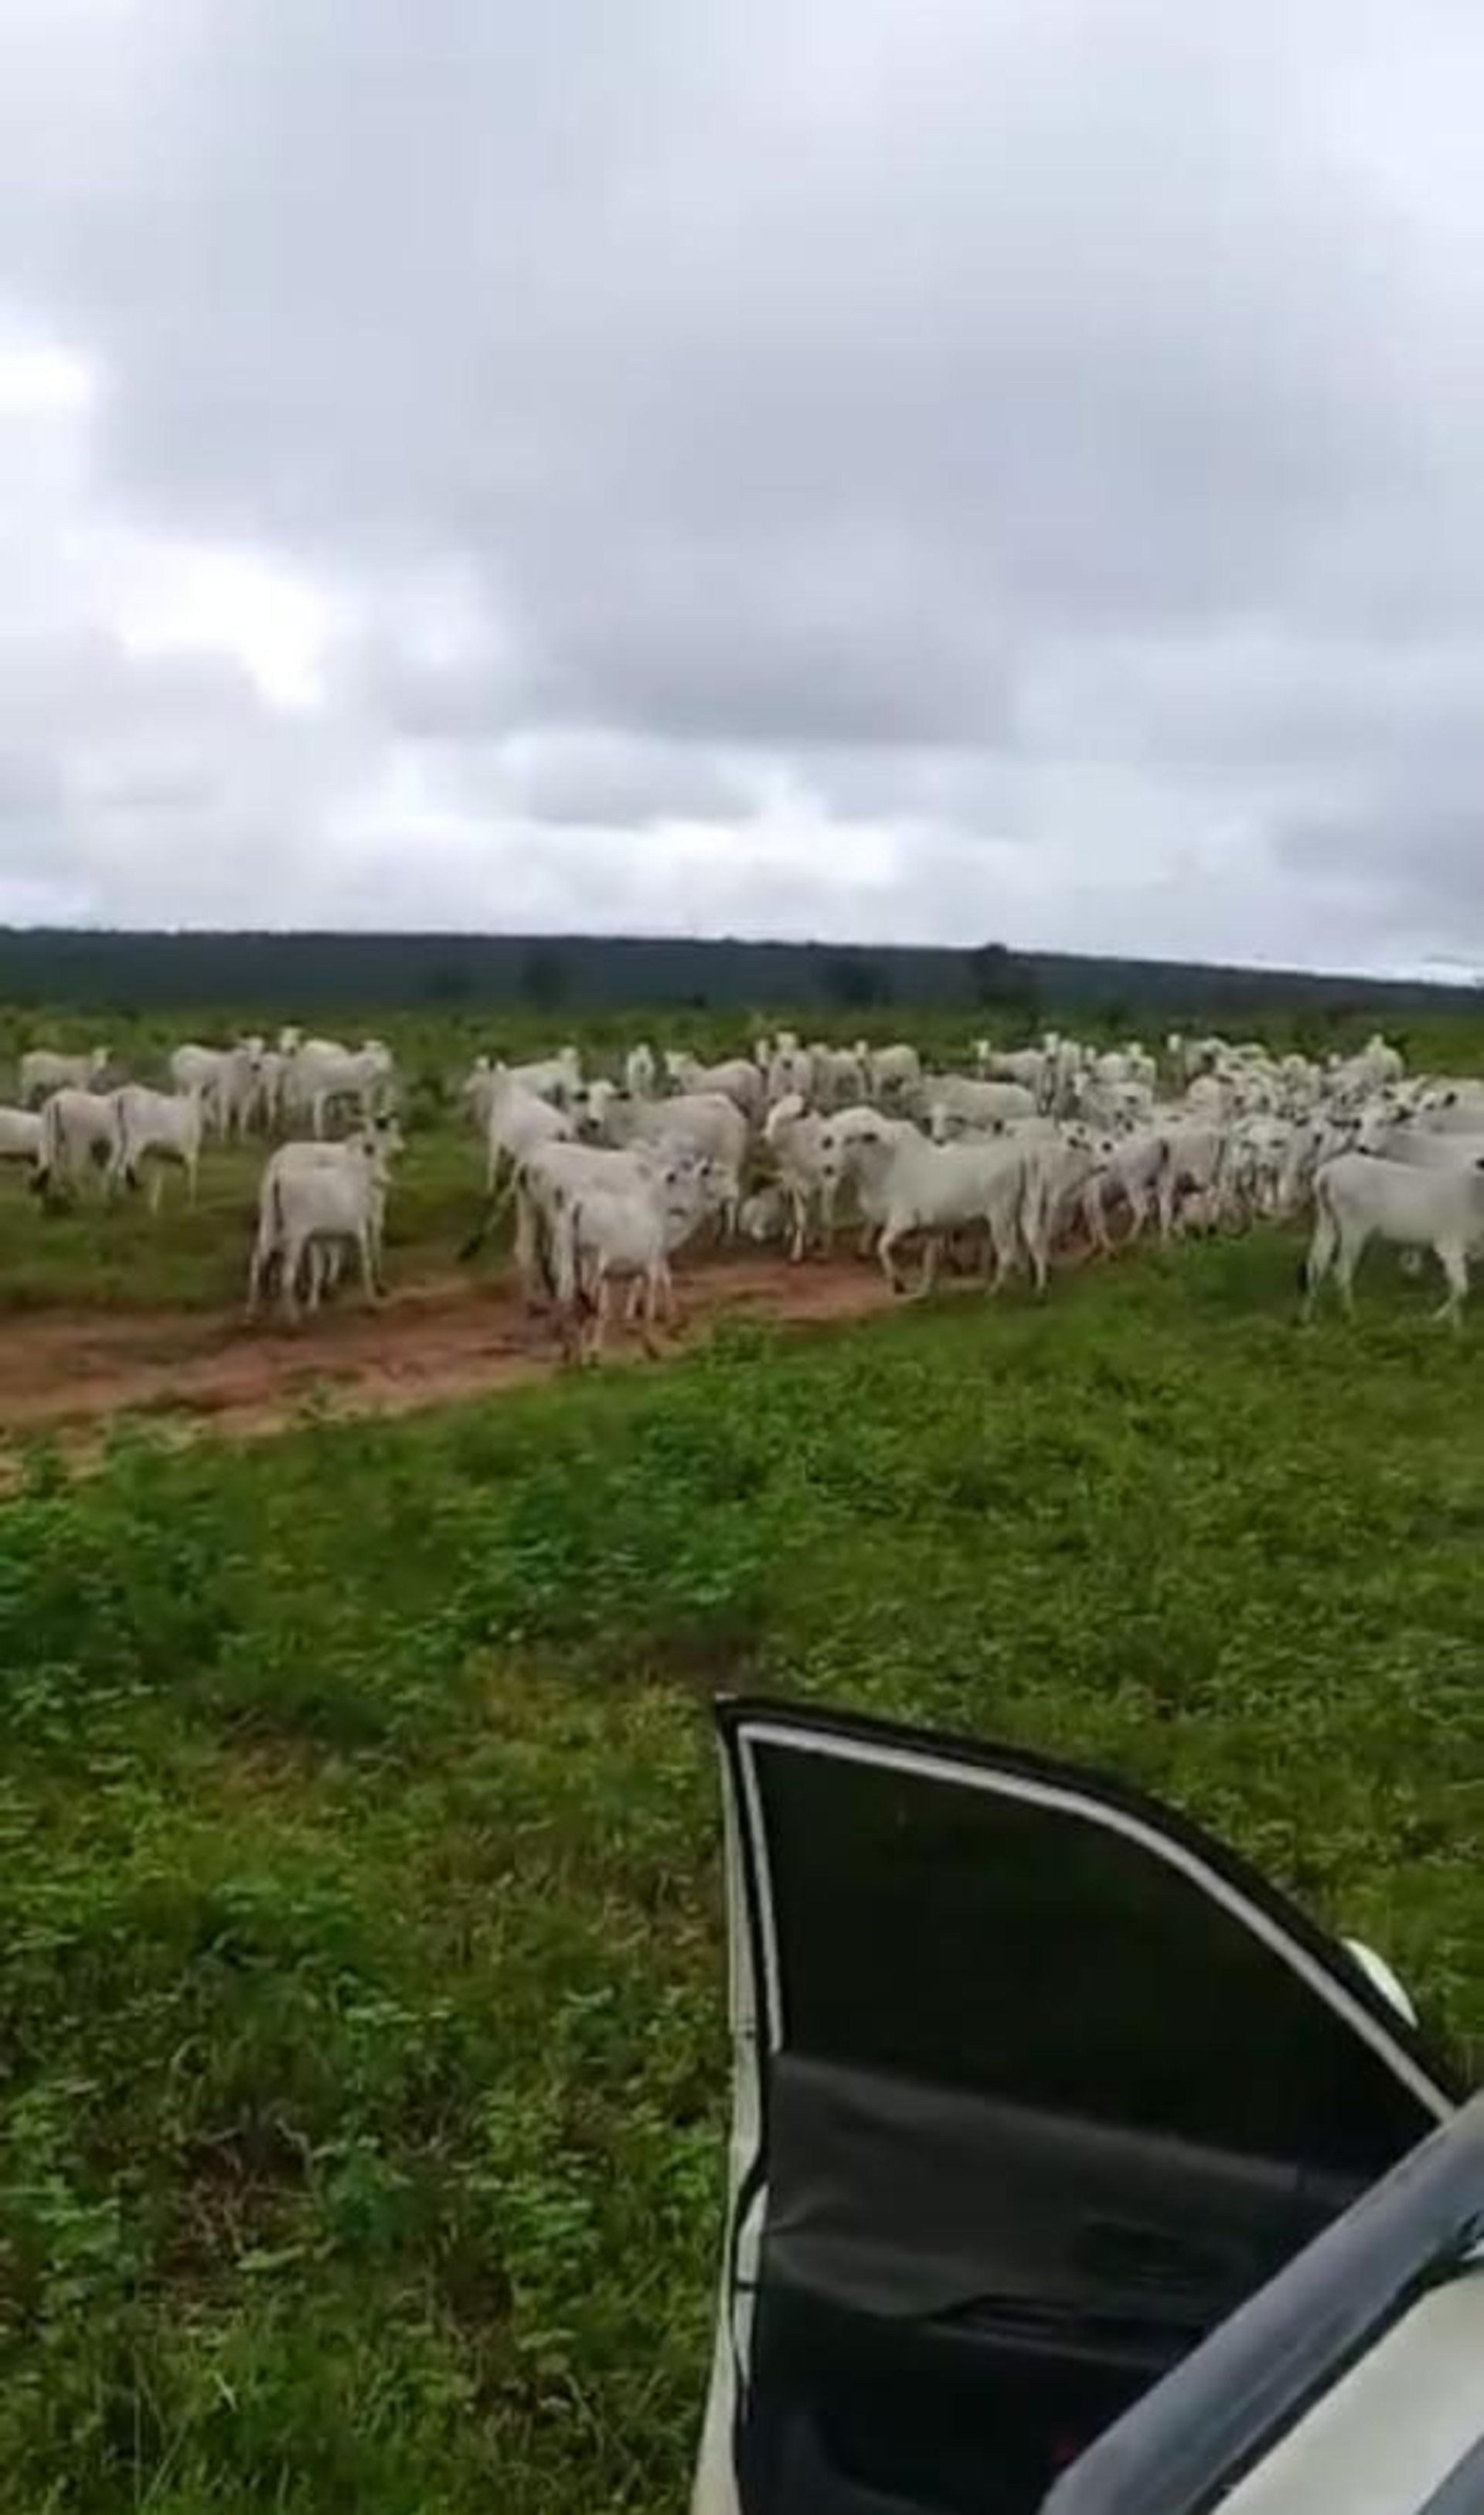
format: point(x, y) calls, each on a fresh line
point(111, 969)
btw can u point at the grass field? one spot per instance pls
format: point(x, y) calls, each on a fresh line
point(360, 1996)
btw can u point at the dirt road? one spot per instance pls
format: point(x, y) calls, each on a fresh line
point(432, 1341)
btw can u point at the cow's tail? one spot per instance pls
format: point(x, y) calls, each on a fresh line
point(123, 1164)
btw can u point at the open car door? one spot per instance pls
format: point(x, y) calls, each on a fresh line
point(1034, 2084)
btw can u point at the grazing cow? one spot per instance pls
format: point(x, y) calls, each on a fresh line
point(160, 1127)
point(1360, 1197)
point(43, 1070)
point(78, 1134)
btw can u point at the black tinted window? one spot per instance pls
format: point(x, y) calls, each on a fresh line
point(962, 1936)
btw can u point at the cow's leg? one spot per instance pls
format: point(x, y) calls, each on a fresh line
point(364, 1251)
point(885, 1249)
point(1320, 1258)
point(290, 1260)
point(1352, 1246)
point(1454, 1261)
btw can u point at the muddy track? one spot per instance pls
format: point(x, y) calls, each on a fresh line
point(432, 1343)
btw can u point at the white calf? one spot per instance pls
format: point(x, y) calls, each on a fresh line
point(1359, 1197)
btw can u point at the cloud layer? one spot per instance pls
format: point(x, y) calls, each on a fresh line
point(918, 469)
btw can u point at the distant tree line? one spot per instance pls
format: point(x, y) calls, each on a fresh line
point(552, 973)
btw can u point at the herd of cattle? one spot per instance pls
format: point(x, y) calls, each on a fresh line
point(611, 1173)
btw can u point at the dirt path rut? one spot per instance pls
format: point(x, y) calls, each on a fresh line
point(432, 1343)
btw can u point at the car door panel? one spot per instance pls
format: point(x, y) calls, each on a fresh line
point(1046, 2085)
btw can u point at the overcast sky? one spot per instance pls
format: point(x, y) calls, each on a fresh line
point(940, 469)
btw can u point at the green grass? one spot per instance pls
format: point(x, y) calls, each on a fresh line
point(90, 1253)
point(361, 2050)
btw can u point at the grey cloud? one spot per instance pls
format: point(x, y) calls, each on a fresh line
point(615, 781)
point(1036, 450)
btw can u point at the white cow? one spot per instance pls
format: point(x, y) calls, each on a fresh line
point(936, 1189)
point(19, 1135)
point(1132, 1168)
point(44, 1070)
point(605, 1233)
point(546, 1174)
point(223, 1080)
point(516, 1122)
point(322, 1075)
point(794, 1136)
point(158, 1126)
point(976, 1103)
point(552, 1078)
point(1359, 1197)
point(893, 1072)
point(1453, 1110)
point(708, 1123)
point(314, 1200)
point(267, 1104)
point(764, 1215)
point(1194, 1161)
point(792, 1072)
point(1257, 1161)
point(1059, 1170)
point(78, 1134)
point(1030, 1067)
point(736, 1077)
point(641, 1072)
